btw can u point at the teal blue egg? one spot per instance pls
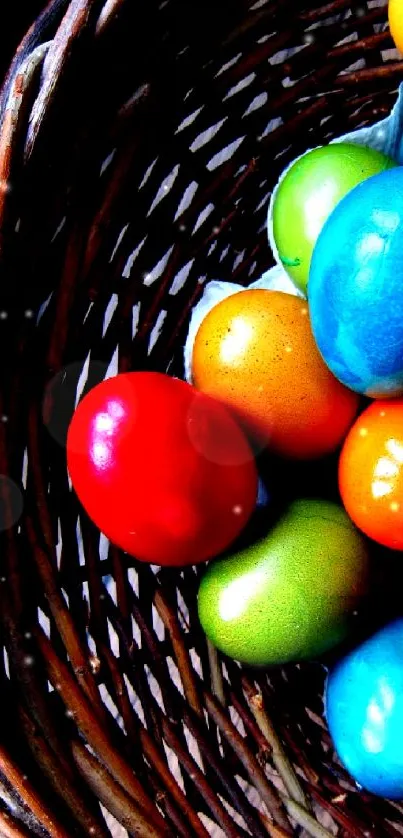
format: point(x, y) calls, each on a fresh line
point(355, 287)
point(364, 710)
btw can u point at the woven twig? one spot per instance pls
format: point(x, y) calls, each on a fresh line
point(95, 734)
point(9, 829)
point(279, 756)
point(25, 791)
point(112, 795)
point(139, 144)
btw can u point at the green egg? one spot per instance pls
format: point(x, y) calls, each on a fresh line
point(310, 191)
point(290, 596)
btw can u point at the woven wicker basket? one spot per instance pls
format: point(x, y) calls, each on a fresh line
point(139, 145)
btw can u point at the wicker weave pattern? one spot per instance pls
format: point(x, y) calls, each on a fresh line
point(139, 144)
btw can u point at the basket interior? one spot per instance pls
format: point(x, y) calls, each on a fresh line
point(138, 151)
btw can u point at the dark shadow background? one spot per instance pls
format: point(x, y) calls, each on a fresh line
point(16, 19)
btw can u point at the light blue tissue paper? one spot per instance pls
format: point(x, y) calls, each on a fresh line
point(385, 136)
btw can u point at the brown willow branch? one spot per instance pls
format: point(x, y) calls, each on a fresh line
point(306, 820)
point(221, 815)
point(110, 11)
point(217, 681)
point(47, 761)
point(30, 681)
point(378, 39)
point(27, 793)
point(300, 757)
point(80, 709)
point(9, 829)
point(258, 778)
point(74, 21)
point(182, 656)
point(112, 795)
point(122, 699)
point(275, 831)
point(79, 657)
point(279, 756)
point(250, 725)
point(352, 826)
point(181, 829)
point(392, 70)
point(231, 788)
point(41, 30)
point(14, 117)
point(159, 764)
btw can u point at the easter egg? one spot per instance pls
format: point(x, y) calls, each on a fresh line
point(289, 596)
point(163, 470)
point(371, 472)
point(308, 193)
point(364, 710)
point(395, 14)
point(256, 353)
point(355, 287)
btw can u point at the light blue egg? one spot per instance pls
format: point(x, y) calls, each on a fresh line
point(364, 710)
point(355, 287)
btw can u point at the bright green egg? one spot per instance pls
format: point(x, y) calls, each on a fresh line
point(309, 192)
point(290, 596)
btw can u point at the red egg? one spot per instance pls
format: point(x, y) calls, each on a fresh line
point(163, 470)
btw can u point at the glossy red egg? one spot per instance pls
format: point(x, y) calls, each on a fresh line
point(163, 470)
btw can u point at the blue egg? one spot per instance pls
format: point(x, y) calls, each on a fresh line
point(364, 709)
point(355, 287)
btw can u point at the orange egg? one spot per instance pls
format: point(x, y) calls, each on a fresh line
point(395, 13)
point(371, 472)
point(256, 352)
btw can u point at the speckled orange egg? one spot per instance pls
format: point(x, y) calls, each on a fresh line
point(256, 352)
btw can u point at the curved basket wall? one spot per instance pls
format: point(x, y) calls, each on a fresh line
point(139, 144)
